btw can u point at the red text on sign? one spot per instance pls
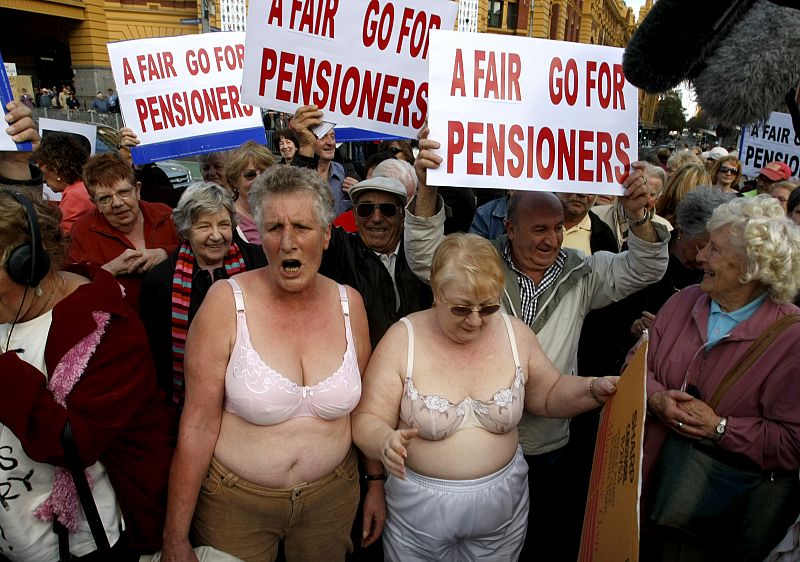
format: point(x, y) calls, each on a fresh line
point(232, 56)
point(303, 80)
point(544, 153)
point(413, 34)
point(495, 76)
point(313, 16)
point(151, 67)
point(602, 85)
point(178, 109)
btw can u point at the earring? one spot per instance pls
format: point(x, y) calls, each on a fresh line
point(58, 178)
point(39, 291)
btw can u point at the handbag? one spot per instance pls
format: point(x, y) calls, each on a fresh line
point(711, 495)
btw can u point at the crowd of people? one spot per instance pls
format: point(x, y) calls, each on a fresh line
point(296, 361)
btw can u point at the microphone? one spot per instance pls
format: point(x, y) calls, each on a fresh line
point(737, 54)
point(748, 75)
point(672, 42)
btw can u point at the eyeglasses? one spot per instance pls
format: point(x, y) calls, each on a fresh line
point(251, 174)
point(463, 310)
point(106, 200)
point(365, 210)
point(395, 150)
point(726, 170)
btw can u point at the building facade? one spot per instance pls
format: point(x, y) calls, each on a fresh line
point(63, 42)
point(233, 15)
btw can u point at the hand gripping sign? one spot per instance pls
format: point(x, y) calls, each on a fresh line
point(530, 114)
point(362, 62)
point(181, 95)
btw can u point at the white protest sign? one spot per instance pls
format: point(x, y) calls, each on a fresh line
point(89, 132)
point(181, 95)
point(530, 114)
point(774, 140)
point(362, 62)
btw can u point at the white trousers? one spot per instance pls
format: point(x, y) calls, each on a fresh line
point(430, 519)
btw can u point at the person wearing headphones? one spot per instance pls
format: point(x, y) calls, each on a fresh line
point(72, 356)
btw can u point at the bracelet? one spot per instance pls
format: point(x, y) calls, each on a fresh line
point(370, 477)
point(592, 391)
point(636, 222)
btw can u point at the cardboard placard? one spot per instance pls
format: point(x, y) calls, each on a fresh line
point(774, 140)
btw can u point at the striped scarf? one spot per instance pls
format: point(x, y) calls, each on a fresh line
point(181, 299)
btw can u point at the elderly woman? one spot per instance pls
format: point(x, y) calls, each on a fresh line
point(745, 423)
point(286, 143)
point(174, 289)
point(72, 352)
point(442, 398)
point(781, 190)
point(123, 234)
point(727, 173)
point(679, 184)
point(793, 206)
point(61, 158)
point(212, 167)
point(273, 363)
point(245, 164)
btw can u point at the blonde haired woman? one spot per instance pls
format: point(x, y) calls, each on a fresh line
point(442, 398)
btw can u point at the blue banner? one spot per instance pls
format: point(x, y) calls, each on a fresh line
point(168, 150)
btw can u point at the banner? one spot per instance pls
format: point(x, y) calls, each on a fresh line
point(182, 95)
point(362, 62)
point(530, 114)
point(774, 140)
point(611, 521)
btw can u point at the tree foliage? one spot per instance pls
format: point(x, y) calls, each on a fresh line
point(670, 113)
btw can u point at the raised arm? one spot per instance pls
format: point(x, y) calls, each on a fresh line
point(424, 226)
point(208, 348)
point(551, 394)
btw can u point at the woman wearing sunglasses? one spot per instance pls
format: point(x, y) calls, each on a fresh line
point(442, 398)
point(726, 174)
point(246, 163)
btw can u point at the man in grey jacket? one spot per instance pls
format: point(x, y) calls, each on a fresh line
point(552, 289)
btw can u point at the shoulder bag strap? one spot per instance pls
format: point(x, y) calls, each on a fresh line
point(751, 356)
point(84, 492)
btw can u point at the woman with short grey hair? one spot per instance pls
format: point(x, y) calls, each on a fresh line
point(173, 291)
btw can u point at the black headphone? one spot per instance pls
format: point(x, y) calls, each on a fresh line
point(28, 263)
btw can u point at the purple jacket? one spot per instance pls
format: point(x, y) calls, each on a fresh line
point(763, 407)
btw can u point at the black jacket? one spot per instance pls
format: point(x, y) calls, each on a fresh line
point(155, 303)
point(347, 260)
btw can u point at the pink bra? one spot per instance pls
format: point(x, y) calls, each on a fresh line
point(259, 394)
point(437, 418)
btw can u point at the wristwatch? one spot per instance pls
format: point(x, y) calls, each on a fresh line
point(723, 422)
point(637, 222)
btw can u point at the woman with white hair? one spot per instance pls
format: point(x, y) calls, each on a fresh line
point(722, 446)
point(173, 290)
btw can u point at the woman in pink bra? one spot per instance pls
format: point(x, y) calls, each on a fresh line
point(442, 397)
point(273, 370)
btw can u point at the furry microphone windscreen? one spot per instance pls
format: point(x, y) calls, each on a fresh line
point(673, 40)
point(748, 75)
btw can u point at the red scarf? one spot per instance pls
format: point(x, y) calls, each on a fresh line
point(181, 298)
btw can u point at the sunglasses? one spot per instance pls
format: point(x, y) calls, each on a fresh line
point(365, 210)
point(251, 174)
point(463, 311)
point(726, 170)
point(394, 150)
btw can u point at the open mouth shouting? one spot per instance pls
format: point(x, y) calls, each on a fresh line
point(291, 267)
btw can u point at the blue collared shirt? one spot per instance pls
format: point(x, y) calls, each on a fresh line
point(721, 323)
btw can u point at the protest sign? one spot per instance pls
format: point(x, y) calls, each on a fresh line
point(774, 140)
point(362, 62)
point(531, 114)
point(6, 95)
point(181, 95)
point(611, 521)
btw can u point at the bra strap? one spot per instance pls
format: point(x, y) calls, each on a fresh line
point(237, 294)
point(410, 360)
point(513, 339)
point(345, 301)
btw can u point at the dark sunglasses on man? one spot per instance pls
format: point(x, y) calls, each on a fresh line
point(365, 210)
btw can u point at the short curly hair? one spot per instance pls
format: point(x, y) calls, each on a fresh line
point(290, 180)
point(769, 240)
point(201, 198)
point(470, 258)
point(64, 154)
